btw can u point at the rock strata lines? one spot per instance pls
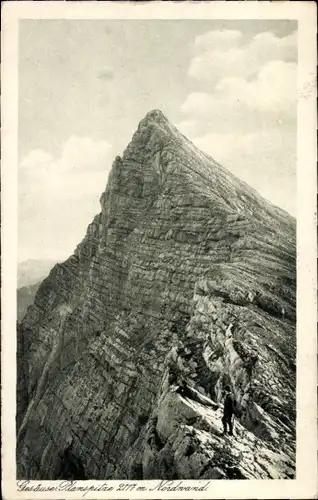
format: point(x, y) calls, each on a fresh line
point(187, 275)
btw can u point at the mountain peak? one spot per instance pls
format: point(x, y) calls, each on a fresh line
point(156, 118)
point(156, 115)
point(152, 132)
point(156, 125)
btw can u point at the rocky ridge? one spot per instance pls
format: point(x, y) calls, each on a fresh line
point(186, 274)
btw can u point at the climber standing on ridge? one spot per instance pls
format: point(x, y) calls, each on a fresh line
point(228, 411)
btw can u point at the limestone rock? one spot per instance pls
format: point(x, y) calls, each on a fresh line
point(186, 276)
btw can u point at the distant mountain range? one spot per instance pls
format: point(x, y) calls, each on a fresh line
point(33, 271)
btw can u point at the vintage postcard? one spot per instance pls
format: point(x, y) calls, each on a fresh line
point(159, 250)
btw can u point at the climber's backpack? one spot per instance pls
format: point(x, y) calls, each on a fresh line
point(236, 408)
point(230, 405)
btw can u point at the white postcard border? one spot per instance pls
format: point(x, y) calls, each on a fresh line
point(304, 486)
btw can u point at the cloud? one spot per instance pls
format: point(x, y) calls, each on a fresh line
point(190, 128)
point(243, 111)
point(235, 102)
point(265, 159)
point(82, 154)
point(217, 39)
point(81, 161)
point(240, 147)
point(35, 159)
point(58, 196)
point(273, 90)
point(220, 54)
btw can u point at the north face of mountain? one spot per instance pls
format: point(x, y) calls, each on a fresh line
point(187, 276)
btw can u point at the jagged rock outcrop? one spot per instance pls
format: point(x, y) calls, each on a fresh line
point(187, 274)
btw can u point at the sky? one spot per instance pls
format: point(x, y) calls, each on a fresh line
point(84, 85)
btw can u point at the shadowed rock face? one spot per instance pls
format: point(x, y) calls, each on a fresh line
point(25, 298)
point(186, 274)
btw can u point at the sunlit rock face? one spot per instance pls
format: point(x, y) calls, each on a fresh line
point(187, 274)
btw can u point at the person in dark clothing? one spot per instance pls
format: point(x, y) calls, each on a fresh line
point(184, 390)
point(228, 411)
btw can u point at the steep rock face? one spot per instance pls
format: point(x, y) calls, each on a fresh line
point(25, 297)
point(187, 274)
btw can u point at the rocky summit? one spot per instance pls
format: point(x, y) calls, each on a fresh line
point(183, 284)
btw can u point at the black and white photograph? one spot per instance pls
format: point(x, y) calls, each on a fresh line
point(156, 252)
